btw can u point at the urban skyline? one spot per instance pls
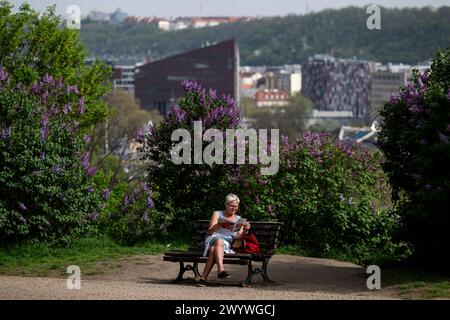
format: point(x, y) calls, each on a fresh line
point(176, 8)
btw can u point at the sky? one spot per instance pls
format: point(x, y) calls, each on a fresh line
point(176, 8)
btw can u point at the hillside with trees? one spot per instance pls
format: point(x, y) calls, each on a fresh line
point(286, 40)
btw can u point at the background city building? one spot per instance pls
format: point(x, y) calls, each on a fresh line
point(158, 84)
point(338, 84)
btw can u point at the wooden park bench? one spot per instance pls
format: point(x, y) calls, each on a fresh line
point(267, 234)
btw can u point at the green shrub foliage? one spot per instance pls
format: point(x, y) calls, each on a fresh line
point(45, 190)
point(415, 129)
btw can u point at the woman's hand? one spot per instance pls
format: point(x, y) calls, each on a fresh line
point(246, 226)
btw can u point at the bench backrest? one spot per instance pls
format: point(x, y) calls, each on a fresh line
point(267, 234)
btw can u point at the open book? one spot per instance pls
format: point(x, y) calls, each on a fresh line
point(238, 224)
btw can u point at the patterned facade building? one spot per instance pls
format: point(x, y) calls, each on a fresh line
point(158, 84)
point(338, 84)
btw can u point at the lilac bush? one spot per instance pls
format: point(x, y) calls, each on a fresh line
point(45, 192)
point(415, 127)
point(183, 193)
point(129, 218)
point(328, 193)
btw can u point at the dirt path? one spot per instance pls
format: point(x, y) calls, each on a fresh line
point(148, 277)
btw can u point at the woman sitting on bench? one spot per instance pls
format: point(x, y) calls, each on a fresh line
point(223, 229)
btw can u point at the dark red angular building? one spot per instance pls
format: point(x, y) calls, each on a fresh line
point(158, 84)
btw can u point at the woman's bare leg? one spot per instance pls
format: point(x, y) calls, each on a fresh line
point(209, 263)
point(218, 253)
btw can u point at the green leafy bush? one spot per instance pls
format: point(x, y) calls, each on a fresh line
point(415, 130)
point(188, 192)
point(329, 194)
point(129, 218)
point(45, 188)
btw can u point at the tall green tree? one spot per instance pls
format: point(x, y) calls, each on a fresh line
point(111, 140)
point(33, 45)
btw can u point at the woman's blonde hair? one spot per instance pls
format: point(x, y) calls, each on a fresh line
point(230, 198)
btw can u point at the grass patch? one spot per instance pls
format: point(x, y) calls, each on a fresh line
point(414, 283)
point(92, 255)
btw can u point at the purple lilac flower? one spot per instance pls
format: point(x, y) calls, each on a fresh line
point(22, 206)
point(341, 196)
point(106, 193)
point(72, 89)
point(44, 96)
point(86, 138)
point(350, 200)
point(393, 99)
point(92, 216)
point(6, 133)
point(34, 88)
point(178, 114)
point(44, 133)
point(81, 105)
point(284, 140)
point(139, 135)
point(67, 108)
point(90, 189)
point(4, 76)
point(196, 173)
point(203, 101)
point(191, 86)
point(229, 100)
point(22, 220)
point(150, 203)
point(145, 216)
point(47, 79)
point(45, 119)
point(213, 94)
point(424, 76)
point(415, 109)
point(91, 171)
point(57, 169)
point(40, 227)
point(42, 156)
point(126, 200)
point(146, 187)
point(85, 161)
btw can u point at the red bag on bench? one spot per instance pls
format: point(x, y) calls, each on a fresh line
point(247, 245)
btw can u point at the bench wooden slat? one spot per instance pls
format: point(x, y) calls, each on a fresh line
point(203, 260)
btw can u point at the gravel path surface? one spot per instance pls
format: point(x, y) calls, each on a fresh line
point(148, 277)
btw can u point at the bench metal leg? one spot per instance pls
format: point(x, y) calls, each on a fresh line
point(251, 272)
point(188, 267)
point(264, 270)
